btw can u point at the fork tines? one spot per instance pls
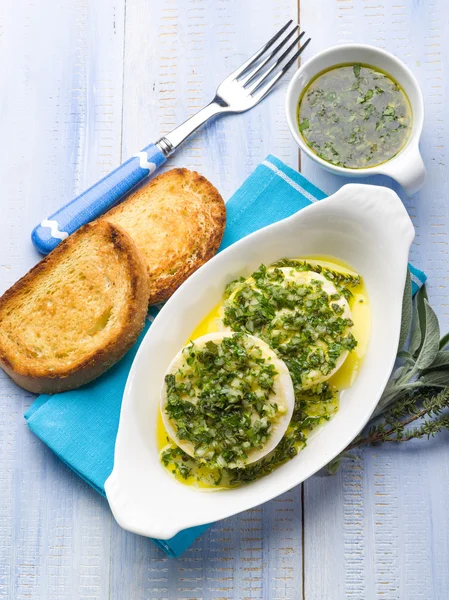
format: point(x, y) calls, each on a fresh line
point(254, 74)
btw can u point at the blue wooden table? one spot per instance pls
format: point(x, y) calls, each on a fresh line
point(83, 85)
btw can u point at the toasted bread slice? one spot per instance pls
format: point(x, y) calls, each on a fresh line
point(177, 222)
point(76, 312)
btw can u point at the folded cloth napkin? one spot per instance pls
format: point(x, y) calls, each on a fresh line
point(80, 426)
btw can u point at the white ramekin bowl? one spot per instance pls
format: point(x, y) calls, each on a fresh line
point(407, 167)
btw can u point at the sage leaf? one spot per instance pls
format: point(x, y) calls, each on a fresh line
point(436, 378)
point(335, 463)
point(444, 341)
point(440, 360)
point(419, 322)
point(431, 338)
point(404, 373)
point(416, 334)
point(395, 378)
point(407, 311)
point(390, 396)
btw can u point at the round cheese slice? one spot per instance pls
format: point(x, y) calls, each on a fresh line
point(291, 274)
point(282, 394)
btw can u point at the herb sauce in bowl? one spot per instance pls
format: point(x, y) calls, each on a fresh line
point(354, 116)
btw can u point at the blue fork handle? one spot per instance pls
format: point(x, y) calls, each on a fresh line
point(97, 199)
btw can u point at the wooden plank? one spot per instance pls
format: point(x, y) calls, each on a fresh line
point(60, 85)
point(254, 555)
point(378, 528)
point(192, 45)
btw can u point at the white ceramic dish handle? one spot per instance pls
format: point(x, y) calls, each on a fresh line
point(408, 170)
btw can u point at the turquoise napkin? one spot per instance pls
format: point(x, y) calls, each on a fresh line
point(80, 426)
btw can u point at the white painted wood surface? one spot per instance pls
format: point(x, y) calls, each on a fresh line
point(83, 85)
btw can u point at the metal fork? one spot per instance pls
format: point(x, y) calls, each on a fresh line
point(240, 91)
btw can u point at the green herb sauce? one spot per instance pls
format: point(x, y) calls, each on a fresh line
point(354, 116)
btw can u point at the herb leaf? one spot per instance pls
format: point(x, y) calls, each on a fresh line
point(419, 323)
point(304, 125)
point(444, 341)
point(438, 378)
point(334, 464)
point(440, 360)
point(430, 345)
point(407, 311)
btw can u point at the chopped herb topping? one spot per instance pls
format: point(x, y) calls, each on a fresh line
point(221, 400)
point(301, 322)
point(342, 281)
point(354, 116)
point(311, 409)
point(264, 306)
point(179, 459)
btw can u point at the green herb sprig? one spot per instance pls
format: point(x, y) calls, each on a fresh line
point(415, 403)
